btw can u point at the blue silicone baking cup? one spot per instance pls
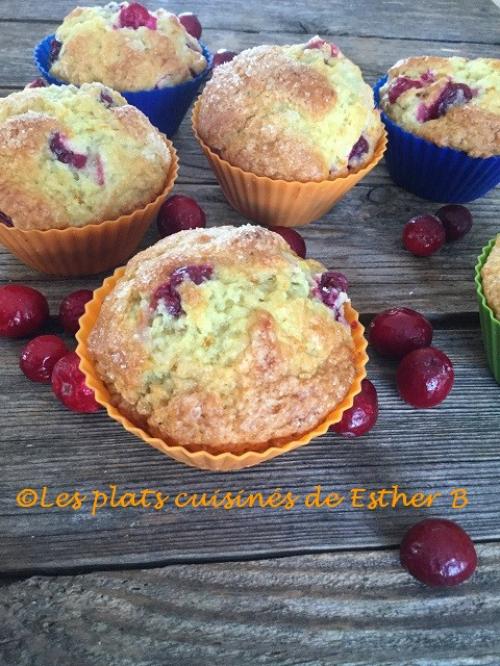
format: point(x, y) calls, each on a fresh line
point(165, 107)
point(432, 172)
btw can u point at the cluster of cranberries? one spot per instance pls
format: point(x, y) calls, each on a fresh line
point(425, 234)
point(46, 358)
point(425, 374)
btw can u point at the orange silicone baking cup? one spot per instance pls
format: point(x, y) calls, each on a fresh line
point(271, 201)
point(222, 462)
point(90, 249)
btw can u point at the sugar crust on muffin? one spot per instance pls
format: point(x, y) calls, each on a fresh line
point(490, 275)
point(219, 340)
point(93, 45)
point(72, 156)
point(451, 102)
point(300, 112)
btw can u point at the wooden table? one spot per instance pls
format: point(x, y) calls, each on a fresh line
point(263, 586)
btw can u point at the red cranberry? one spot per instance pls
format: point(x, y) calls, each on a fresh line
point(318, 43)
point(68, 383)
point(23, 311)
point(55, 49)
point(362, 416)
point(106, 99)
point(398, 331)
point(423, 235)
point(438, 552)
point(136, 16)
point(5, 219)
point(39, 357)
point(71, 309)
point(37, 83)
point(191, 24)
point(293, 238)
point(453, 94)
point(401, 85)
point(332, 281)
point(167, 292)
point(425, 377)
point(456, 219)
point(358, 150)
point(58, 145)
point(221, 56)
point(179, 213)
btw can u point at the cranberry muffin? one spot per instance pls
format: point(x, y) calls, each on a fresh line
point(126, 47)
point(75, 156)
point(490, 275)
point(296, 113)
point(224, 340)
point(452, 102)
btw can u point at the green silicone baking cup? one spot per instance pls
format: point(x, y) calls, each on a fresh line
point(490, 325)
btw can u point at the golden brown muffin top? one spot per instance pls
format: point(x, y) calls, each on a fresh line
point(299, 112)
point(222, 340)
point(126, 47)
point(74, 156)
point(452, 102)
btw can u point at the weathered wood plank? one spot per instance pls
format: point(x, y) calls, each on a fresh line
point(341, 608)
point(454, 445)
point(428, 20)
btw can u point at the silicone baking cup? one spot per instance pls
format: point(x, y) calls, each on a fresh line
point(432, 172)
point(271, 201)
point(490, 325)
point(222, 462)
point(165, 107)
point(89, 249)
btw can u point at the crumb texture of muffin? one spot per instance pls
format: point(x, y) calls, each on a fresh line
point(299, 112)
point(126, 47)
point(452, 102)
point(74, 156)
point(490, 275)
point(224, 340)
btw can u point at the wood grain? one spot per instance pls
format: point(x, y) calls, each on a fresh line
point(338, 608)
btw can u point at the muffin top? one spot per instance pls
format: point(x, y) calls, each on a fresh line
point(224, 340)
point(299, 112)
point(452, 102)
point(73, 156)
point(491, 278)
point(125, 47)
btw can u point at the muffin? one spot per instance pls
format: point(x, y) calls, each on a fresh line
point(442, 117)
point(224, 340)
point(488, 297)
point(490, 275)
point(126, 47)
point(452, 102)
point(71, 157)
point(296, 113)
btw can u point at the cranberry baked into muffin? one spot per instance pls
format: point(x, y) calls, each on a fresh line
point(75, 156)
point(297, 113)
point(490, 275)
point(126, 47)
point(452, 102)
point(224, 340)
